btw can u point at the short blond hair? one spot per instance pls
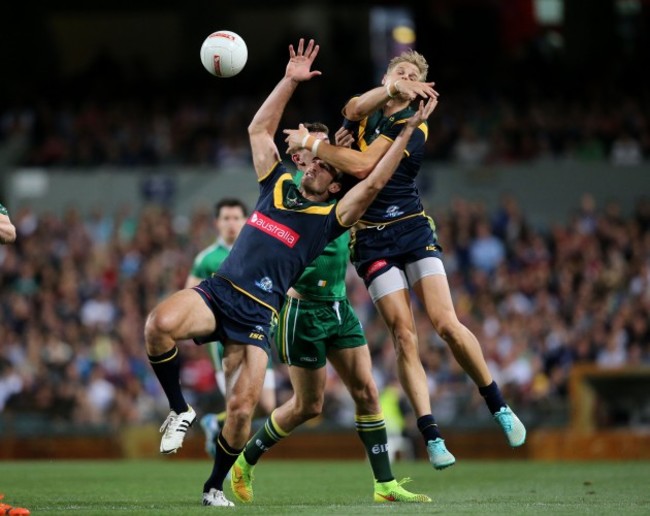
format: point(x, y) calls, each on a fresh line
point(413, 57)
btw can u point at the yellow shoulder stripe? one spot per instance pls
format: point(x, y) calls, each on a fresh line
point(278, 196)
point(268, 172)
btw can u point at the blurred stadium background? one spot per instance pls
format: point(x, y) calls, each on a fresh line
point(115, 144)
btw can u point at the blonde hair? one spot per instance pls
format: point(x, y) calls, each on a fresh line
point(413, 57)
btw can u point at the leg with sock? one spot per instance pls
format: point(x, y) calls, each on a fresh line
point(439, 456)
point(225, 456)
point(372, 432)
point(241, 480)
point(167, 368)
point(512, 427)
point(182, 416)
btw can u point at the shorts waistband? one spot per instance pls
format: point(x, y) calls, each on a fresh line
point(309, 303)
point(364, 224)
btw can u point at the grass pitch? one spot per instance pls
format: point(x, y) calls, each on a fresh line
point(174, 486)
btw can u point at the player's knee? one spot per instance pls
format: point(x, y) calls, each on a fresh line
point(266, 406)
point(240, 412)
point(158, 326)
point(406, 341)
point(309, 409)
point(450, 330)
point(366, 397)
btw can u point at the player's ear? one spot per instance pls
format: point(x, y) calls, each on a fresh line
point(334, 188)
point(295, 157)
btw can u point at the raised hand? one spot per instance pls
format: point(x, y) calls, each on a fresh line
point(413, 89)
point(294, 138)
point(300, 61)
point(423, 112)
point(343, 137)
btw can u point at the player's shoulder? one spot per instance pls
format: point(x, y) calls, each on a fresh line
point(276, 172)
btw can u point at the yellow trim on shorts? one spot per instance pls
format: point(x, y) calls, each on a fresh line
point(280, 332)
point(246, 293)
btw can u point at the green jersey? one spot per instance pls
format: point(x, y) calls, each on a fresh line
point(209, 260)
point(3, 210)
point(324, 278)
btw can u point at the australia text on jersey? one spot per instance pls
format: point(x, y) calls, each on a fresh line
point(279, 231)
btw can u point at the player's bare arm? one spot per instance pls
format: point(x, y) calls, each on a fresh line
point(7, 230)
point(350, 161)
point(402, 89)
point(353, 204)
point(265, 122)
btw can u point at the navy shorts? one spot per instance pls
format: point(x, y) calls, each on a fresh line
point(374, 250)
point(239, 318)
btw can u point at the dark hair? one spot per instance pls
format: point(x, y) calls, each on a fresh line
point(316, 127)
point(229, 202)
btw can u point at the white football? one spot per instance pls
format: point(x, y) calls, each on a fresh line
point(224, 53)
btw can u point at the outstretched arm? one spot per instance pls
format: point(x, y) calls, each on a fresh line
point(350, 161)
point(358, 108)
point(354, 204)
point(265, 122)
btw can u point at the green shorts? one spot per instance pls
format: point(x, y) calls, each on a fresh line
point(308, 329)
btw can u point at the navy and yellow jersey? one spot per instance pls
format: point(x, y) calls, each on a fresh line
point(324, 278)
point(283, 235)
point(400, 197)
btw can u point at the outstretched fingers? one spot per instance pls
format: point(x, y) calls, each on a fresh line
point(312, 50)
point(425, 110)
point(295, 138)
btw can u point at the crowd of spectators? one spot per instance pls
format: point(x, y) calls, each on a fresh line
point(75, 291)
point(201, 131)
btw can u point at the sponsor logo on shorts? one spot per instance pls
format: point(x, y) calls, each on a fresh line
point(265, 284)
point(256, 336)
point(375, 266)
point(280, 232)
point(308, 359)
point(393, 211)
